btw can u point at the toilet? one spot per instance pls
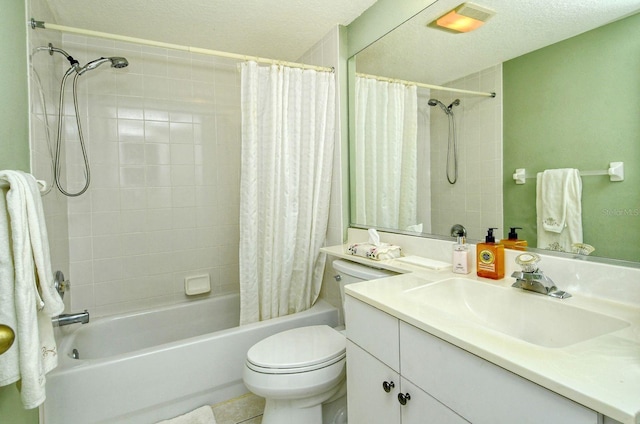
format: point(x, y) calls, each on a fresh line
point(301, 372)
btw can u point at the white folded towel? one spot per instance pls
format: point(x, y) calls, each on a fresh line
point(28, 299)
point(559, 209)
point(202, 415)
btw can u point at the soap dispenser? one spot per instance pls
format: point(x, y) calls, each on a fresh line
point(461, 258)
point(490, 257)
point(513, 242)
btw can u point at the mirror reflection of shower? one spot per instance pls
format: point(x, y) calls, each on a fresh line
point(76, 70)
point(452, 142)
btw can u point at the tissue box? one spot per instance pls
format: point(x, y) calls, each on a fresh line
point(377, 253)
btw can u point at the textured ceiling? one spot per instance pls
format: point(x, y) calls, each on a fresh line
point(416, 52)
point(278, 29)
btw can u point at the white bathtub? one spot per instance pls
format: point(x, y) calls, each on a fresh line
point(152, 365)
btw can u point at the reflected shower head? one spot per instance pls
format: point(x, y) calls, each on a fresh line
point(116, 62)
point(436, 102)
point(446, 109)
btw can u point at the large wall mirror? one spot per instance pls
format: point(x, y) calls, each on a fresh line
point(567, 82)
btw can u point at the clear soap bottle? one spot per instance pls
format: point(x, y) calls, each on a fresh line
point(461, 258)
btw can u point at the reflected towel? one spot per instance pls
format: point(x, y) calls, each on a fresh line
point(202, 415)
point(28, 299)
point(377, 253)
point(559, 209)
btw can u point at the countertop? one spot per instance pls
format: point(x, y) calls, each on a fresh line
point(602, 373)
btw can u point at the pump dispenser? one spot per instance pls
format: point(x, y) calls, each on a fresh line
point(490, 257)
point(513, 242)
point(461, 257)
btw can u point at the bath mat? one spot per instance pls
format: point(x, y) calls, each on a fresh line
point(202, 415)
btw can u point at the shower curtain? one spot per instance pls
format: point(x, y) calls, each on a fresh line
point(386, 157)
point(288, 118)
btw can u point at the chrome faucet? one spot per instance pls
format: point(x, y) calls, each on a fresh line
point(66, 319)
point(533, 279)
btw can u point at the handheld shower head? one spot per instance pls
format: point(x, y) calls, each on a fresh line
point(456, 102)
point(116, 62)
point(436, 102)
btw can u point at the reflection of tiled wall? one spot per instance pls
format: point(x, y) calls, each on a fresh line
point(164, 143)
point(475, 201)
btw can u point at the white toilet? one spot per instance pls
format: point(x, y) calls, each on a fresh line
point(301, 372)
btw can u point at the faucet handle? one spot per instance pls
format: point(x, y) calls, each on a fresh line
point(528, 262)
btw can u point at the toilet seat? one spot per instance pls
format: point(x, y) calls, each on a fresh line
point(297, 350)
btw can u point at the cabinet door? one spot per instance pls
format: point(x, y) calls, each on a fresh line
point(373, 330)
point(423, 409)
point(367, 400)
point(478, 390)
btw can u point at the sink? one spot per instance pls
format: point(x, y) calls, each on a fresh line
point(530, 317)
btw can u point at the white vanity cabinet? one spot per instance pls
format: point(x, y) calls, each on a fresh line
point(446, 384)
point(376, 391)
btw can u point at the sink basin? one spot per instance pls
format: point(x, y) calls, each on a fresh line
point(530, 317)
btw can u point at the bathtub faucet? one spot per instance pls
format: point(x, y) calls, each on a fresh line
point(66, 319)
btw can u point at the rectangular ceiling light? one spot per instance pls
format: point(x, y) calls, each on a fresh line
point(464, 18)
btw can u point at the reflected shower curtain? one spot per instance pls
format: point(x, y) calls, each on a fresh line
point(288, 135)
point(386, 158)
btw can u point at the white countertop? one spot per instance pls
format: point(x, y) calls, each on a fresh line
point(602, 373)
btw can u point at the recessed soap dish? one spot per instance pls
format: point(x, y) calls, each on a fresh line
point(197, 284)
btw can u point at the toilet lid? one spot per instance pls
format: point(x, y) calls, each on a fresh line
point(299, 349)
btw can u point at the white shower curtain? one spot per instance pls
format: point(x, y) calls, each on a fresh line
point(288, 119)
point(386, 158)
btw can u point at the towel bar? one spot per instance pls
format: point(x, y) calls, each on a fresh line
point(615, 173)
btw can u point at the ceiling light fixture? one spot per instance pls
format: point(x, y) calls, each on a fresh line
point(464, 18)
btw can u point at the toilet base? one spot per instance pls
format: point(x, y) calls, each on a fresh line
point(326, 408)
point(280, 411)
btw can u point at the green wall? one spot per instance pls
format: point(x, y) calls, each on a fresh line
point(14, 144)
point(576, 104)
point(14, 124)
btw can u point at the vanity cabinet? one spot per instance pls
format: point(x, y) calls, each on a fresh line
point(376, 391)
point(445, 384)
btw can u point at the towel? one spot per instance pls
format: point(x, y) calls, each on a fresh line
point(202, 415)
point(559, 209)
point(28, 299)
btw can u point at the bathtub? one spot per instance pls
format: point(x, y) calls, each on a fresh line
point(152, 365)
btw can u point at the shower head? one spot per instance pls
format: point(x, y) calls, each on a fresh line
point(116, 62)
point(436, 102)
point(456, 102)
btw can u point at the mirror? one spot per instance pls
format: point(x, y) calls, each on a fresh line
point(566, 78)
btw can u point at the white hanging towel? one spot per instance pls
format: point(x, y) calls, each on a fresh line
point(28, 299)
point(559, 209)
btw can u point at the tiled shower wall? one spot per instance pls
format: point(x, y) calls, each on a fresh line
point(475, 201)
point(163, 137)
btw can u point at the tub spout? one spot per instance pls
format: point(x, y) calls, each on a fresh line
point(66, 319)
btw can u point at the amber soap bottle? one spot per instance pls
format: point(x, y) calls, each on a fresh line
point(490, 257)
point(513, 242)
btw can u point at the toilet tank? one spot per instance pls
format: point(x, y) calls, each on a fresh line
point(351, 272)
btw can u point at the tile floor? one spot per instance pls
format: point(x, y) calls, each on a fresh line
point(246, 409)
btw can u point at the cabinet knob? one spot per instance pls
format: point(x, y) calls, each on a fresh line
point(403, 398)
point(388, 385)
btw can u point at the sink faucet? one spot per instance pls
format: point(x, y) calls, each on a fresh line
point(66, 319)
point(533, 279)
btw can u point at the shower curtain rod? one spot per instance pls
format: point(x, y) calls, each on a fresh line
point(46, 25)
point(431, 86)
